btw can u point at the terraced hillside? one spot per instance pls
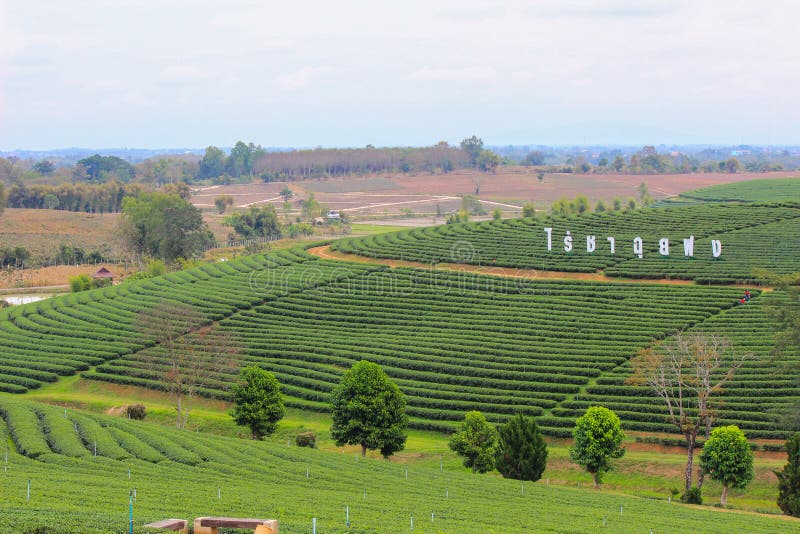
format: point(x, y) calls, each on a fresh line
point(765, 386)
point(81, 468)
point(57, 337)
point(751, 236)
point(454, 342)
point(774, 190)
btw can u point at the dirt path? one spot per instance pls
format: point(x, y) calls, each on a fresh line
point(325, 252)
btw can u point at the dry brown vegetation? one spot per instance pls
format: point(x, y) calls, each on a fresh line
point(391, 193)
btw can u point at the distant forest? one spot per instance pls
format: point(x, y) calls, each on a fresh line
point(98, 183)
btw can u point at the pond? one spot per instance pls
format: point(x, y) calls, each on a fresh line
point(23, 299)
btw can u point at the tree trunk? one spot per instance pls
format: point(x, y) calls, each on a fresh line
point(690, 441)
point(178, 420)
point(594, 480)
point(363, 450)
point(723, 500)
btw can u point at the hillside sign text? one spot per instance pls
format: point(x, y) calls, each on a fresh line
point(638, 245)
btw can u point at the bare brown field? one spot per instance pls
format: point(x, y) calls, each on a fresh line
point(55, 277)
point(244, 195)
point(394, 194)
point(42, 231)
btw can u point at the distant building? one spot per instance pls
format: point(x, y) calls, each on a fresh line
point(103, 277)
point(334, 214)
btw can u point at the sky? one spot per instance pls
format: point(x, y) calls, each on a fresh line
point(168, 73)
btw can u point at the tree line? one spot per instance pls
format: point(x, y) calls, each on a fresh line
point(91, 198)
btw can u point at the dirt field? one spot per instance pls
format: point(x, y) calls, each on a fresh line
point(392, 195)
point(42, 231)
point(53, 277)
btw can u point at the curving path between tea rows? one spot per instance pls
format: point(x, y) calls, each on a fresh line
point(326, 253)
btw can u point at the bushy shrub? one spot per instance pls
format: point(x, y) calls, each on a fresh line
point(136, 411)
point(306, 439)
point(693, 496)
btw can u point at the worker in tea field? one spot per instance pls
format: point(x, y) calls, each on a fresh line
point(747, 296)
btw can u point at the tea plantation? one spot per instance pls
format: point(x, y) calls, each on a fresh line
point(750, 235)
point(180, 474)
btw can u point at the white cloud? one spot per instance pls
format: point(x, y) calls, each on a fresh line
point(300, 78)
point(466, 74)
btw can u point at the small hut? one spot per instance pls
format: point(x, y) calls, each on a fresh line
point(103, 277)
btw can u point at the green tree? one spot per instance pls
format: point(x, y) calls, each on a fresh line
point(51, 201)
point(473, 147)
point(522, 452)
point(528, 210)
point(540, 177)
point(286, 193)
point(223, 202)
point(487, 161)
point(643, 191)
point(598, 437)
point(163, 226)
point(213, 163)
point(44, 167)
point(256, 222)
point(617, 202)
point(497, 214)
point(631, 205)
point(100, 169)
point(240, 161)
point(257, 401)
point(600, 207)
point(789, 478)
point(310, 207)
point(619, 164)
point(369, 410)
point(727, 457)
point(476, 441)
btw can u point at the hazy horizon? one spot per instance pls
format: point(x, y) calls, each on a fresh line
point(99, 74)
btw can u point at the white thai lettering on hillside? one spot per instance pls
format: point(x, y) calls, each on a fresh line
point(638, 244)
point(638, 247)
point(688, 247)
point(549, 232)
point(663, 246)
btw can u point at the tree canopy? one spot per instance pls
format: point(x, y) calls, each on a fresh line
point(476, 441)
point(789, 478)
point(256, 222)
point(522, 452)
point(257, 401)
point(369, 410)
point(100, 169)
point(163, 226)
point(727, 457)
point(598, 440)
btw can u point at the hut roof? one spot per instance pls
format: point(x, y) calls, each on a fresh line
point(102, 273)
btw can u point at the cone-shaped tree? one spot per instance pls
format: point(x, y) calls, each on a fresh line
point(522, 452)
point(728, 459)
point(789, 479)
point(369, 410)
